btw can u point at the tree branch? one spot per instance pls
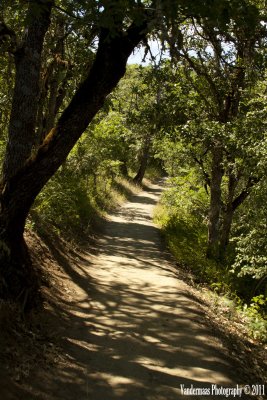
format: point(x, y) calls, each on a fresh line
point(66, 12)
point(204, 172)
point(202, 72)
point(252, 181)
point(203, 97)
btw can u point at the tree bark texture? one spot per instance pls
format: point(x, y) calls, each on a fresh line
point(228, 214)
point(53, 84)
point(215, 202)
point(21, 137)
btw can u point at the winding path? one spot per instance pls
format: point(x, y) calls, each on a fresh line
point(137, 332)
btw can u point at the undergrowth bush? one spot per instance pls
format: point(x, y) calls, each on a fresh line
point(182, 217)
point(255, 321)
point(66, 204)
point(72, 204)
point(186, 239)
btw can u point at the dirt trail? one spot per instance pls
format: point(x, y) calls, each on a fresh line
point(137, 333)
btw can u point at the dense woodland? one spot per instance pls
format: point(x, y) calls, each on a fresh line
point(76, 123)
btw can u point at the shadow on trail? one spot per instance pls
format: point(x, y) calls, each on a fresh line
point(128, 335)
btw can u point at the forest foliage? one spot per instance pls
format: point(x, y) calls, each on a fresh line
point(196, 113)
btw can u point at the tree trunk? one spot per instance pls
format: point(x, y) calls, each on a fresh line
point(21, 136)
point(226, 230)
point(55, 79)
point(142, 169)
point(20, 188)
point(227, 214)
point(232, 204)
point(17, 278)
point(19, 281)
point(124, 169)
point(215, 202)
point(143, 162)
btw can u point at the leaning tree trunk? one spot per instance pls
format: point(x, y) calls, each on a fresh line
point(143, 162)
point(215, 202)
point(19, 190)
point(142, 169)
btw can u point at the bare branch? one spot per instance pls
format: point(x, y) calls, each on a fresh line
point(252, 181)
